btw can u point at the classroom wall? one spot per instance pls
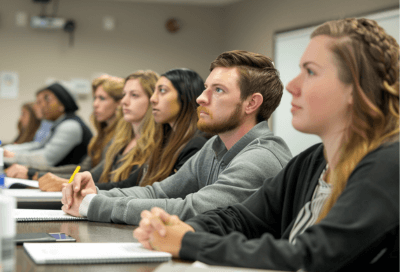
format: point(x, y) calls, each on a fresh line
point(139, 41)
point(251, 24)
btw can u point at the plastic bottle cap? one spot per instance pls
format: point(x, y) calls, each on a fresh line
point(2, 179)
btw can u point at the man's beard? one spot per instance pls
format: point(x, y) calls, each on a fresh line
point(232, 122)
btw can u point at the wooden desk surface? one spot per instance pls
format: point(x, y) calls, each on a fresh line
point(84, 232)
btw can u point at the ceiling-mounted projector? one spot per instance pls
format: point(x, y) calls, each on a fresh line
point(47, 22)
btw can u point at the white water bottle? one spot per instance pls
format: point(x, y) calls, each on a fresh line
point(7, 230)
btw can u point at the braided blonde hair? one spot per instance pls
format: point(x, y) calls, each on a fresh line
point(368, 58)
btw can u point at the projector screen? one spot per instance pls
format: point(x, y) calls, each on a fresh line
point(289, 47)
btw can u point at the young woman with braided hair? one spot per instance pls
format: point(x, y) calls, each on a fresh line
point(335, 207)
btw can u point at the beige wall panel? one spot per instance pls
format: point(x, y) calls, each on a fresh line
point(139, 41)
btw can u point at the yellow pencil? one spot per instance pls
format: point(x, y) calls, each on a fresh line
point(73, 175)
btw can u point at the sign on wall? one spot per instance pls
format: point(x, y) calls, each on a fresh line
point(9, 85)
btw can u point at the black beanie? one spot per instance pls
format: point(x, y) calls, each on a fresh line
point(63, 96)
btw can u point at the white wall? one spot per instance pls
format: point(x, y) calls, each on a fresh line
point(251, 24)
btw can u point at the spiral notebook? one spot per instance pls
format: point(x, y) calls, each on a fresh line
point(92, 253)
point(24, 215)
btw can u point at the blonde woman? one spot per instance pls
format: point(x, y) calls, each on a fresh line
point(134, 133)
point(334, 207)
point(134, 140)
point(107, 93)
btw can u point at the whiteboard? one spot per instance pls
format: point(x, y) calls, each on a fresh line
point(289, 47)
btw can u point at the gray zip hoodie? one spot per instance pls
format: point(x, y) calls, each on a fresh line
point(214, 177)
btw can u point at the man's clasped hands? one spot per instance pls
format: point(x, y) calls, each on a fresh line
point(157, 230)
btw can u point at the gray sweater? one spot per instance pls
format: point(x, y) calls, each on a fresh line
point(50, 151)
point(214, 177)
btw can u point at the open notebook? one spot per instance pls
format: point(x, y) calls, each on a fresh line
point(23, 215)
point(20, 183)
point(91, 253)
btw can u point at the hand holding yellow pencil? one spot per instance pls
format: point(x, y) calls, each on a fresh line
point(73, 175)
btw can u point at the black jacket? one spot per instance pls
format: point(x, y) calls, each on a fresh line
point(78, 152)
point(360, 233)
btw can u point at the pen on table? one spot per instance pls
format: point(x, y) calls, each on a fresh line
point(73, 175)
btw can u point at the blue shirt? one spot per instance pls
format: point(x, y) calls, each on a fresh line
point(43, 131)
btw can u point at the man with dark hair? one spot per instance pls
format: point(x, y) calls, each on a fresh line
point(230, 167)
point(66, 144)
point(256, 75)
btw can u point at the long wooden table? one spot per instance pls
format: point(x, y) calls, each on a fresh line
point(93, 232)
point(83, 232)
